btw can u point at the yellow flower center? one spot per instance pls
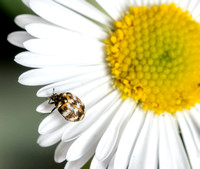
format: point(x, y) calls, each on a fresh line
point(154, 57)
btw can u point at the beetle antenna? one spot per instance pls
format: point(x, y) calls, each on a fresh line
point(49, 102)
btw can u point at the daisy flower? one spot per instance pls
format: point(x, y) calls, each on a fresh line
point(135, 66)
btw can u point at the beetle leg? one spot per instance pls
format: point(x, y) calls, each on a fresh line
point(53, 109)
point(51, 102)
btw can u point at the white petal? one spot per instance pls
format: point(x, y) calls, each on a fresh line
point(89, 95)
point(128, 139)
point(53, 74)
point(86, 9)
point(18, 38)
point(192, 5)
point(195, 114)
point(165, 162)
point(154, 2)
point(111, 7)
point(106, 164)
point(66, 18)
point(171, 150)
point(197, 106)
point(96, 164)
point(145, 153)
point(25, 19)
point(95, 95)
point(61, 151)
point(131, 2)
point(194, 130)
point(72, 83)
point(111, 164)
point(70, 48)
point(198, 19)
point(139, 2)
point(191, 138)
point(45, 107)
point(85, 91)
point(92, 135)
point(100, 86)
point(165, 1)
point(121, 6)
point(39, 60)
point(47, 31)
point(80, 162)
point(100, 109)
point(184, 4)
point(109, 140)
point(150, 2)
point(146, 2)
point(26, 2)
point(51, 123)
point(195, 12)
point(51, 138)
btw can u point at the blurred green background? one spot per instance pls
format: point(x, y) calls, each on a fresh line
point(18, 119)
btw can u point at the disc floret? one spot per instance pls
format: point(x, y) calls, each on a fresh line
point(154, 55)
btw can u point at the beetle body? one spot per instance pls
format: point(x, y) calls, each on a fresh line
point(68, 105)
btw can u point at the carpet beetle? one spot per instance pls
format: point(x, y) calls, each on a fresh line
point(69, 106)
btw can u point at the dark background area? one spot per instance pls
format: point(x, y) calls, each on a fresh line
point(18, 119)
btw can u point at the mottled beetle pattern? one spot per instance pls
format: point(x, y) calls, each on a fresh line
point(68, 105)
